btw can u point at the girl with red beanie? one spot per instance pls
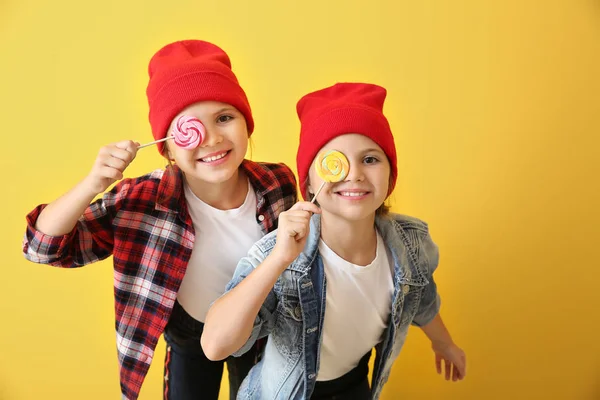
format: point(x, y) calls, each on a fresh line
point(338, 279)
point(176, 235)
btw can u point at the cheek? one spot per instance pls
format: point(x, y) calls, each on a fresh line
point(181, 155)
point(239, 134)
point(240, 128)
point(383, 180)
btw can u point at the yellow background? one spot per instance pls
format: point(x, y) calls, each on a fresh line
point(495, 106)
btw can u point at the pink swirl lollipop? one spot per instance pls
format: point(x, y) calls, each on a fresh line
point(188, 132)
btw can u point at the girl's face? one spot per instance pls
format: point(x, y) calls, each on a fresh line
point(366, 186)
point(219, 156)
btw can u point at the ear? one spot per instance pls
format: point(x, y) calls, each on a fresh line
point(309, 189)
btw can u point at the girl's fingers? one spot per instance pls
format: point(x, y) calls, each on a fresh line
point(128, 145)
point(111, 173)
point(116, 163)
point(306, 206)
point(121, 154)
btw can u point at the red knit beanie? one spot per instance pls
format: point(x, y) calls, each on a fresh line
point(337, 110)
point(186, 72)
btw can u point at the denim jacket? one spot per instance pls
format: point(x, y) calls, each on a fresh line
point(293, 312)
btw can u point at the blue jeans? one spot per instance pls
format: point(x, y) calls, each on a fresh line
point(188, 374)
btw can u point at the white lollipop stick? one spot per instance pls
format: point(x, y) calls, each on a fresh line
point(156, 141)
point(318, 191)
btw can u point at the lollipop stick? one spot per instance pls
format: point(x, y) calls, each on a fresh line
point(318, 191)
point(156, 141)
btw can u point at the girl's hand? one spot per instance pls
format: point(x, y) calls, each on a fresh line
point(111, 162)
point(293, 231)
point(454, 358)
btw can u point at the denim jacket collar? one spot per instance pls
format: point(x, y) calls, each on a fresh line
point(391, 233)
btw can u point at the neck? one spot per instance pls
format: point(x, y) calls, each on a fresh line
point(223, 195)
point(354, 241)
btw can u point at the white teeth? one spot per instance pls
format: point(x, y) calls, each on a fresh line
point(214, 158)
point(352, 194)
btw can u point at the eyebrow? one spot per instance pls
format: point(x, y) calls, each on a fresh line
point(221, 110)
point(372, 150)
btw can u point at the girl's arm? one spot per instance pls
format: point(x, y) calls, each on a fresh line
point(59, 217)
point(436, 331)
point(429, 320)
point(230, 321)
point(445, 349)
point(70, 232)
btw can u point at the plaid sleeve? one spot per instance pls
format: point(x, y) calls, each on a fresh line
point(90, 240)
point(430, 299)
point(287, 195)
point(289, 189)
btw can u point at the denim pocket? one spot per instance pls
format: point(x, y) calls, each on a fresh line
point(289, 307)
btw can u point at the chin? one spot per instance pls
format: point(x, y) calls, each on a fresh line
point(213, 177)
point(352, 214)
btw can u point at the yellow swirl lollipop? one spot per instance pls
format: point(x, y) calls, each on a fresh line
point(332, 166)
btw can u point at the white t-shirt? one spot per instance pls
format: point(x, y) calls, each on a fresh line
point(223, 237)
point(358, 305)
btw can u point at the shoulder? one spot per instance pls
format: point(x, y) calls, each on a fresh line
point(270, 173)
point(275, 167)
point(409, 224)
point(265, 245)
point(274, 182)
point(416, 236)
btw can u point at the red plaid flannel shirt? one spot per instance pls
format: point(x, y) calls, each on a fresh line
point(144, 223)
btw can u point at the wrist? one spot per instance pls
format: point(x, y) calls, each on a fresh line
point(87, 188)
point(279, 261)
point(440, 344)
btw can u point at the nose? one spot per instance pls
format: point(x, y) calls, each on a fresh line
point(213, 137)
point(355, 173)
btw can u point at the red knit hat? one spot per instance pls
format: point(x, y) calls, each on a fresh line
point(185, 72)
point(337, 110)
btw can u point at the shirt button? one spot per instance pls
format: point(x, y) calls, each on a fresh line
point(261, 218)
point(405, 289)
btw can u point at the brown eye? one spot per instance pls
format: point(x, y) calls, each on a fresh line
point(224, 118)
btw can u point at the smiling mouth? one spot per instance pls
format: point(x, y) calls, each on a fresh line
point(214, 157)
point(351, 194)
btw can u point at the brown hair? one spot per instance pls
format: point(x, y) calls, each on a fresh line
point(165, 153)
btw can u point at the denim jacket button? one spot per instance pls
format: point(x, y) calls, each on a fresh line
point(405, 289)
point(311, 376)
point(298, 312)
